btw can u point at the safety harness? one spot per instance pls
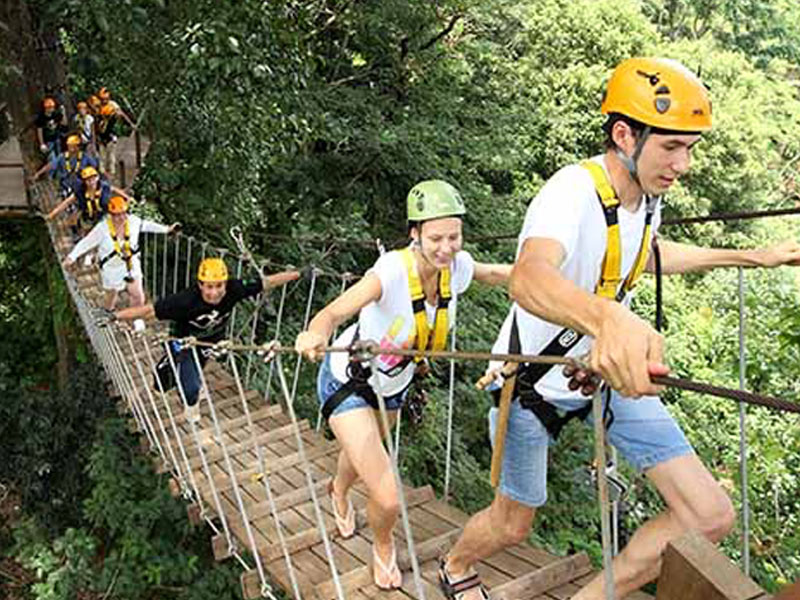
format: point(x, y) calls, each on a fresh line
point(425, 337)
point(93, 202)
point(125, 253)
point(608, 286)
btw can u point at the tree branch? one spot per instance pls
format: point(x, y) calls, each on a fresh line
point(455, 19)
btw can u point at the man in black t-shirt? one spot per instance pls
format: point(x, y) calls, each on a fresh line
point(202, 311)
point(51, 124)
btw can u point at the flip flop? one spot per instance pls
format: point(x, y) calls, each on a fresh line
point(390, 571)
point(347, 524)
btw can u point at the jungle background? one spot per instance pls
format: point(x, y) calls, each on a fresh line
point(305, 122)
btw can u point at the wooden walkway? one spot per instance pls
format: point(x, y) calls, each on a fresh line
point(522, 572)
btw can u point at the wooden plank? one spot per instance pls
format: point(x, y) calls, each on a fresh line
point(223, 481)
point(214, 453)
point(694, 569)
point(537, 582)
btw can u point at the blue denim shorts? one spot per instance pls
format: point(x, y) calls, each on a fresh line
point(327, 385)
point(643, 432)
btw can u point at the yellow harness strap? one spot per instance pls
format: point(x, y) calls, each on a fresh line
point(440, 325)
point(127, 254)
point(610, 274)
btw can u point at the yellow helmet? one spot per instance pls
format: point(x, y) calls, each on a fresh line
point(87, 172)
point(212, 269)
point(94, 102)
point(117, 205)
point(660, 93)
point(73, 140)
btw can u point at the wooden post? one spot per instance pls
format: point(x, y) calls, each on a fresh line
point(694, 569)
point(251, 585)
point(220, 547)
point(121, 171)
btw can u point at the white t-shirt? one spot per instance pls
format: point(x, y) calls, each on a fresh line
point(114, 270)
point(568, 210)
point(390, 320)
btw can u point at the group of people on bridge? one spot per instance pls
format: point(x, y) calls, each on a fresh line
point(585, 242)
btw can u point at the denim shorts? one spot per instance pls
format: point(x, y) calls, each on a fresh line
point(327, 385)
point(643, 432)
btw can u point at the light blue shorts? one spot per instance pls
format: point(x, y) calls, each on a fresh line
point(327, 385)
point(643, 432)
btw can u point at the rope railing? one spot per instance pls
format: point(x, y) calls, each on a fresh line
point(127, 357)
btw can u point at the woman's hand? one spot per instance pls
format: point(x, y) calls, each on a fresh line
point(310, 345)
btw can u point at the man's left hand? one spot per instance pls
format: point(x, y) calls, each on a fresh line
point(785, 253)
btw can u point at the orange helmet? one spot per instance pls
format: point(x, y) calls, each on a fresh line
point(82, 104)
point(117, 205)
point(48, 103)
point(104, 94)
point(94, 102)
point(73, 140)
point(660, 93)
point(107, 110)
point(87, 172)
point(212, 269)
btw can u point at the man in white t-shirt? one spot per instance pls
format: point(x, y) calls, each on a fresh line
point(584, 242)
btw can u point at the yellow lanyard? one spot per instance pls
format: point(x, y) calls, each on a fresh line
point(94, 198)
point(440, 325)
point(608, 286)
point(76, 164)
point(127, 255)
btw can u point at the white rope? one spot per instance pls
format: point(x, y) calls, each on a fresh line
point(164, 265)
point(173, 461)
point(265, 477)
point(602, 488)
point(743, 432)
point(333, 337)
point(206, 469)
point(175, 429)
point(450, 403)
point(278, 322)
point(398, 483)
point(229, 465)
point(176, 263)
point(289, 398)
point(149, 395)
point(306, 319)
point(189, 268)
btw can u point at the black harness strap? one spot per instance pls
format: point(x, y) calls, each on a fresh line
point(357, 383)
point(111, 255)
point(529, 374)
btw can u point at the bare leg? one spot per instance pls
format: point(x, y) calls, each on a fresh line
point(695, 502)
point(503, 523)
point(110, 300)
point(358, 433)
point(136, 293)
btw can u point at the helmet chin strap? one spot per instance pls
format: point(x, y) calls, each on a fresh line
point(631, 162)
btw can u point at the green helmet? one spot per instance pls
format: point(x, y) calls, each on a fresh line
point(434, 199)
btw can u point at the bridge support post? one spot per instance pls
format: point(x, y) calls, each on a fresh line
point(693, 569)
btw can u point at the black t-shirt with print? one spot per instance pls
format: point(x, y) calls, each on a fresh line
point(192, 316)
point(51, 125)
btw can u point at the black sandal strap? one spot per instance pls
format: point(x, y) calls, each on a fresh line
point(452, 589)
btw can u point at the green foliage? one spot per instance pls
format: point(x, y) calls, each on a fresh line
point(316, 117)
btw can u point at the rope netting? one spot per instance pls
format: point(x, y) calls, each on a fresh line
point(212, 466)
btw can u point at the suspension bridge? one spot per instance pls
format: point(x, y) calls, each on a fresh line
point(257, 474)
